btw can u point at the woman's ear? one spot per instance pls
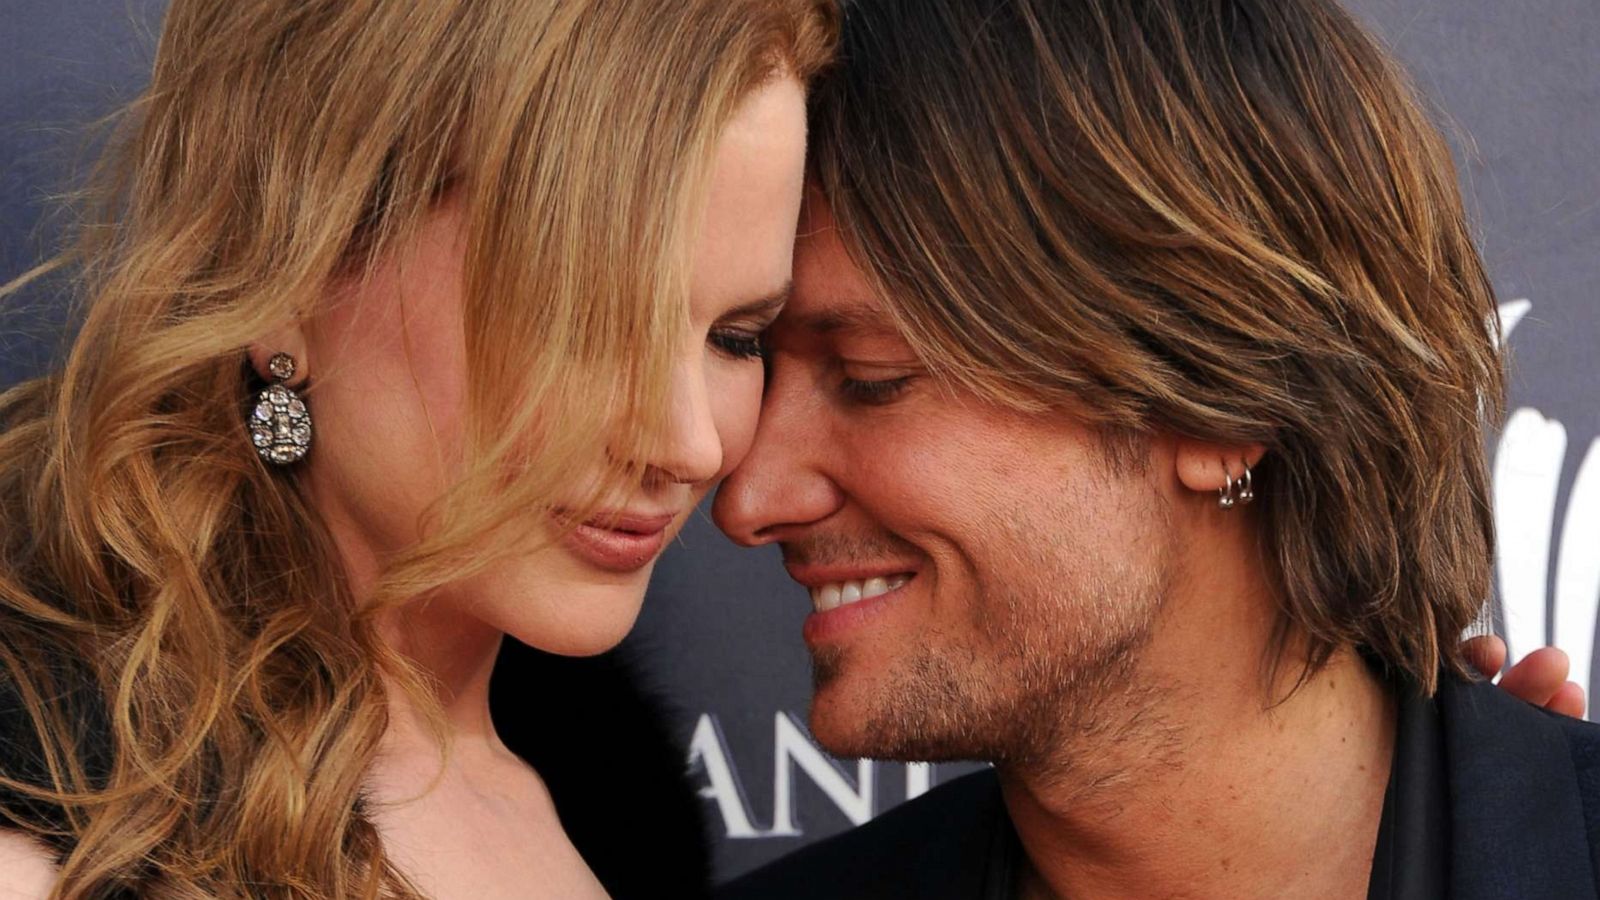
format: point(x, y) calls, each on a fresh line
point(289, 339)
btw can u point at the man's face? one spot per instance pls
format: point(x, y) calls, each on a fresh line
point(980, 576)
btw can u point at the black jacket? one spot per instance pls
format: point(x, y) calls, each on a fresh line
point(1489, 799)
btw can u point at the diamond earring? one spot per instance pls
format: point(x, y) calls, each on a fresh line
point(280, 425)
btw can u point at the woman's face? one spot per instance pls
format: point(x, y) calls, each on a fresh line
point(389, 367)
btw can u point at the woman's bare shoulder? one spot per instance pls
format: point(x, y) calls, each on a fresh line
point(27, 869)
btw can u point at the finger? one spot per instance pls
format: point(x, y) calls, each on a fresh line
point(1568, 700)
point(1486, 653)
point(1538, 676)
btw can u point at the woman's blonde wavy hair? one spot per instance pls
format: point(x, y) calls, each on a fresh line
point(202, 692)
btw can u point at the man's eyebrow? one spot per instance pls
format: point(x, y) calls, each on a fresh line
point(856, 318)
point(767, 305)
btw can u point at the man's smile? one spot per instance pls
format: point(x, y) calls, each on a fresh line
point(843, 593)
point(848, 595)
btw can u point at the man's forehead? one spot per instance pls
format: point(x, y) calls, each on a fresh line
point(831, 294)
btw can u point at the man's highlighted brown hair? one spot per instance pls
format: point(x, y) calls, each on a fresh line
point(1226, 219)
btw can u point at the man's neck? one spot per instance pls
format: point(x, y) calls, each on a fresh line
point(1209, 788)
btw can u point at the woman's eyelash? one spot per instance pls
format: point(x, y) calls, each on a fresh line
point(873, 393)
point(739, 344)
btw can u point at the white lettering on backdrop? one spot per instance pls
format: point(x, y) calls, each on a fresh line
point(793, 749)
point(1527, 479)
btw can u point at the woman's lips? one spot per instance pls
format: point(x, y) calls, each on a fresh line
point(619, 543)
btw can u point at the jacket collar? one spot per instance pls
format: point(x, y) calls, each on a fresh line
point(972, 855)
point(1516, 823)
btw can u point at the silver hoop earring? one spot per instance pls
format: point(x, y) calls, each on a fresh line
point(1228, 495)
point(1238, 490)
point(280, 425)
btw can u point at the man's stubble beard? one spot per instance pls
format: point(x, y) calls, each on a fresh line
point(1047, 673)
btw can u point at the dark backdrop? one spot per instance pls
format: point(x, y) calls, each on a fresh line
point(1518, 88)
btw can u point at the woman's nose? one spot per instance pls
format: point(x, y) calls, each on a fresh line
point(691, 449)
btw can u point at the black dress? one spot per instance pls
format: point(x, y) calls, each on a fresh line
point(596, 736)
point(600, 740)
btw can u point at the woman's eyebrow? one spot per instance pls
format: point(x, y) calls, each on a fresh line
point(767, 305)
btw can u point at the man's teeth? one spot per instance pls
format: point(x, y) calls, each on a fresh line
point(843, 593)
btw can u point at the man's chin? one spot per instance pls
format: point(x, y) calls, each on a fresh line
point(855, 717)
point(841, 708)
point(845, 737)
point(848, 736)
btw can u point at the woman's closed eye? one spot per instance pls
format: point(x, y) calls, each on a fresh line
point(739, 343)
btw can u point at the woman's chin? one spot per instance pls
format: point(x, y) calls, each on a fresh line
point(550, 601)
point(577, 618)
point(585, 639)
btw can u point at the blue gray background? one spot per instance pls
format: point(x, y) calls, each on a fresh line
point(1517, 87)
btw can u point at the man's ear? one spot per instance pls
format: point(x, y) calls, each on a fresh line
point(290, 339)
point(1204, 466)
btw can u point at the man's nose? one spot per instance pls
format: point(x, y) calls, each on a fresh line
point(783, 484)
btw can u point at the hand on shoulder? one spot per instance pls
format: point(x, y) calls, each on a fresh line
point(1539, 678)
